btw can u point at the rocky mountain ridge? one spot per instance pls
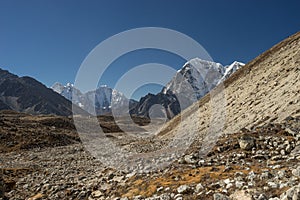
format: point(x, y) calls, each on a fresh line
point(25, 94)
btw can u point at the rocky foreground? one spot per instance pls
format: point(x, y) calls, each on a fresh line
point(261, 164)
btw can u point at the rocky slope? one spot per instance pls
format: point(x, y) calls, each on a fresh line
point(264, 90)
point(261, 164)
point(21, 131)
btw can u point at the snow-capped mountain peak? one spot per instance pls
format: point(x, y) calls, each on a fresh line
point(196, 78)
point(57, 87)
point(203, 65)
point(100, 99)
point(230, 69)
point(70, 85)
point(201, 75)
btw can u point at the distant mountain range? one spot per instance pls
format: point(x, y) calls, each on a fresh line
point(196, 78)
point(25, 94)
point(98, 101)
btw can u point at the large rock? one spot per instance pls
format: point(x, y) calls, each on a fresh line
point(190, 159)
point(246, 142)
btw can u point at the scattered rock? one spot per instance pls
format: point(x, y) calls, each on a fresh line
point(199, 187)
point(219, 196)
point(37, 197)
point(183, 189)
point(238, 195)
point(296, 172)
point(291, 194)
point(97, 194)
point(190, 159)
point(246, 142)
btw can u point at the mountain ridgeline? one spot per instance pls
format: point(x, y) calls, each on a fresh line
point(196, 78)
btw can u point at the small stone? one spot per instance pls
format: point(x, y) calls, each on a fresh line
point(281, 174)
point(228, 168)
point(181, 161)
point(130, 175)
point(291, 132)
point(229, 185)
point(283, 185)
point(189, 159)
point(105, 187)
point(251, 176)
point(183, 189)
point(239, 184)
point(272, 185)
point(37, 197)
point(262, 197)
point(199, 187)
point(118, 179)
point(139, 197)
point(276, 158)
point(160, 189)
point(296, 172)
point(97, 194)
point(82, 195)
point(238, 195)
point(282, 152)
point(219, 196)
point(227, 181)
point(177, 196)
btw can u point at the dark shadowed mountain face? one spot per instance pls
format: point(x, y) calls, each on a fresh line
point(169, 106)
point(26, 94)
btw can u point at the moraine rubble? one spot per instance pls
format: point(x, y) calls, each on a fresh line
point(257, 164)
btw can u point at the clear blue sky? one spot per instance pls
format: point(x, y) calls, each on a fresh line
point(49, 39)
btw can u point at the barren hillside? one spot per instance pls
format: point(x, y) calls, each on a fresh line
point(264, 90)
